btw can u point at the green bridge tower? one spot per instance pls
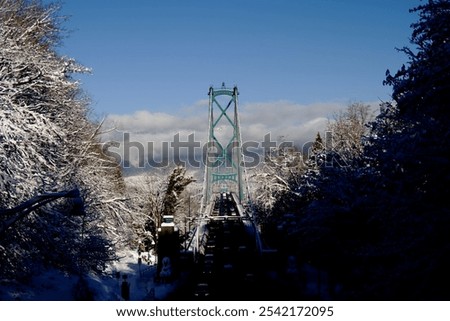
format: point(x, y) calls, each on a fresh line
point(223, 160)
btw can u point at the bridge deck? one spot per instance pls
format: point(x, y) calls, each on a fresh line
point(227, 252)
point(228, 261)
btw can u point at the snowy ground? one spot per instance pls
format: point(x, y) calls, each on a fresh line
point(53, 285)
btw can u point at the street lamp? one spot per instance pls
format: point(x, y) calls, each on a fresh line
point(22, 210)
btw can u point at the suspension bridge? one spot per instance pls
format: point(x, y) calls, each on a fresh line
point(226, 243)
point(226, 193)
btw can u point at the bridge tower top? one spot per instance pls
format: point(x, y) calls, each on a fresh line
point(223, 172)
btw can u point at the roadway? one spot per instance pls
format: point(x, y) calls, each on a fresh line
point(229, 266)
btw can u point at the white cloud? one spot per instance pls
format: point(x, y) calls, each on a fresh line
point(294, 122)
point(153, 123)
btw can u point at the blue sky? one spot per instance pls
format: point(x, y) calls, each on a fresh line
point(162, 56)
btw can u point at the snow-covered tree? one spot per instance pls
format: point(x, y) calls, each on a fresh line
point(155, 194)
point(348, 129)
point(380, 216)
point(48, 144)
point(177, 183)
point(274, 179)
point(324, 197)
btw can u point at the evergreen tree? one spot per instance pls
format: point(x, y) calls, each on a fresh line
point(422, 88)
point(318, 145)
point(164, 197)
point(177, 183)
point(408, 160)
point(410, 138)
